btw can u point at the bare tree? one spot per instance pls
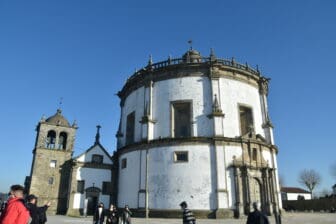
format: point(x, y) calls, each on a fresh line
point(310, 179)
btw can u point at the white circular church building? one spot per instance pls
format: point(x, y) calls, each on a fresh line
point(196, 129)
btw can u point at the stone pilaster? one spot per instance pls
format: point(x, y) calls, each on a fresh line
point(238, 195)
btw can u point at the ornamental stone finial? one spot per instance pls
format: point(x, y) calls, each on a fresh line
point(212, 55)
point(263, 86)
point(233, 62)
point(43, 118)
point(257, 68)
point(150, 61)
point(97, 135)
point(216, 107)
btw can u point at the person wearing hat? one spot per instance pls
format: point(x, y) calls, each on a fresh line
point(37, 214)
point(15, 211)
point(188, 216)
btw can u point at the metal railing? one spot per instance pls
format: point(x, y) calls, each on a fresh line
point(179, 61)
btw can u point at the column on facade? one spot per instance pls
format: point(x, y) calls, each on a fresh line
point(275, 192)
point(221, 192)
point(147, 122)
point(72, 191)
point(238, 194)
point(119, 134)
point(267, 192)
point(246, 189)
point(267, 124)
point(275, 182)
point(217, 117)
point(143, 178)
point(217, 114)
point(114, 179)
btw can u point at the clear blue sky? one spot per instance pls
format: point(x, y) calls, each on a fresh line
point(84, 50)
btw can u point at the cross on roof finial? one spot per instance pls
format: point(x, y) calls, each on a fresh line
point(190, 43)
point(60, 103)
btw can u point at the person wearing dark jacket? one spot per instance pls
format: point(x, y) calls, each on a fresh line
point(126, 215)
point(99, 215)
point(257, 217)
point(188, 216)
point(112, 215)
point(37, 214)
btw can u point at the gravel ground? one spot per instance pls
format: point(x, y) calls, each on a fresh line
point(288, 218)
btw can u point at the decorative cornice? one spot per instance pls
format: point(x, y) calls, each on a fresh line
point(176, 68)
point(146, 119)
point(145, 144)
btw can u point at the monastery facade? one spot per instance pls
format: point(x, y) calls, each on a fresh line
point(193, 129)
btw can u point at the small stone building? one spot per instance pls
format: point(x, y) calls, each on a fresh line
point(69, 183)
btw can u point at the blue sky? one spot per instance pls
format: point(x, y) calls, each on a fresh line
point(84, 51)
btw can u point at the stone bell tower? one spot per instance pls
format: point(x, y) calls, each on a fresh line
point(49, 177)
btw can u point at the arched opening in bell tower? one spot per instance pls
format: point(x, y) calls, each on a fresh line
point(62, 140)
point(51, 140)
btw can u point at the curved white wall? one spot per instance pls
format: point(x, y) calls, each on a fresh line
point(197, 89)
point(169, 182)
point(234, 93)
point(195, 181)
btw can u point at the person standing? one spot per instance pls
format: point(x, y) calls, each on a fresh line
point(99, 215)
point(126, 216)
point(15, 211)
point(188, 216)
point(37, 214)
point(112, 215)
point(257, 217)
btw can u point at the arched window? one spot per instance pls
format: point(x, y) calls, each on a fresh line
point(62, 140)
point(51, 140)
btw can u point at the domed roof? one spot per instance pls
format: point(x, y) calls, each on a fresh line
point(192, 56)
point(58, 119)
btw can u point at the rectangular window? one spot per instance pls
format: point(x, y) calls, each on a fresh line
point(107, 188)
point(246, 120)
point(97, 159)
point(181, 156)
point(123, 163)
point(254, 154)
point(51, 181)
point(80, 186)
point(130, 128)
point(53, 163)
point(181, 119)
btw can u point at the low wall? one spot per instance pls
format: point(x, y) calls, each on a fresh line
point(322, 204)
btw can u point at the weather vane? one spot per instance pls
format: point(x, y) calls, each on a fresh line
point(190, 43)
point(60, 102)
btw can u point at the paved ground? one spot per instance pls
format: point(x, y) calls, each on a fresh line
point(288, 218)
